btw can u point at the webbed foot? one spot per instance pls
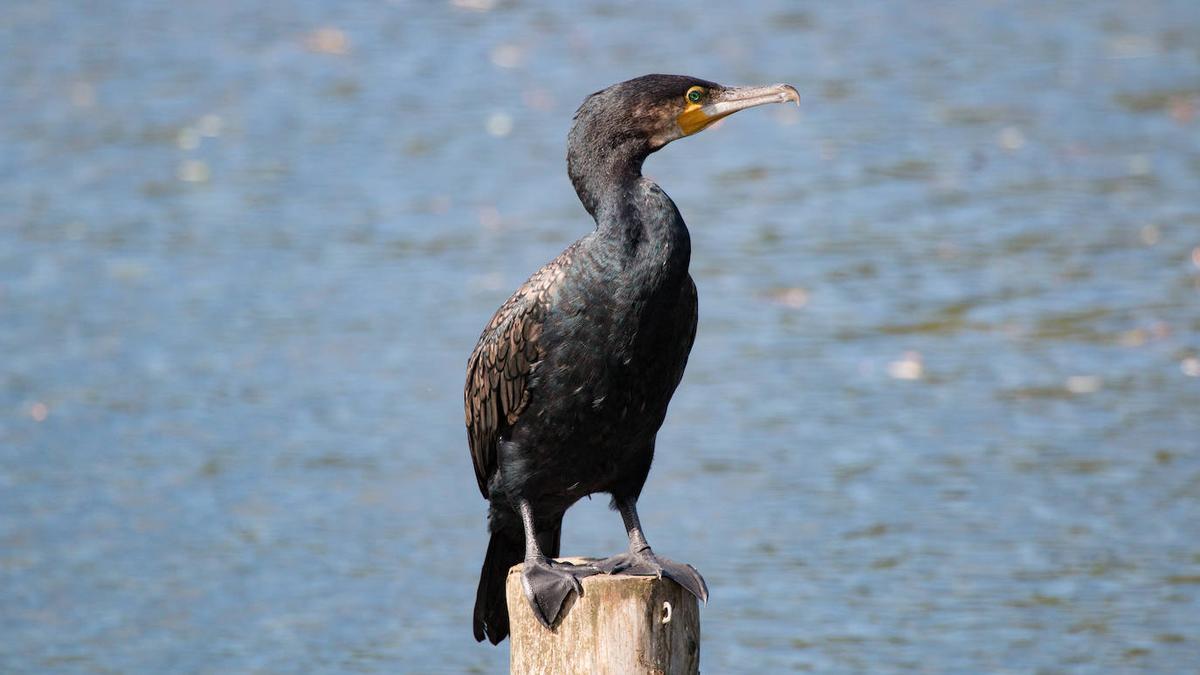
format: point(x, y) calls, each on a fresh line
point(548, 583)
point(645, 563)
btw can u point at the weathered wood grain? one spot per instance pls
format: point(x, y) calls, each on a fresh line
point(621, 625)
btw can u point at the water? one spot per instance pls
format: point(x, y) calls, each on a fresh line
point(940, 416)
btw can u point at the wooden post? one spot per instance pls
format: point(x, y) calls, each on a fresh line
point(622, 624)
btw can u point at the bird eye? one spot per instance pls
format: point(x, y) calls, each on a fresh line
point(695, 94)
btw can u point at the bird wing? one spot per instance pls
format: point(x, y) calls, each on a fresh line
point(689, 303)
point(686, 316)
point(498, 372)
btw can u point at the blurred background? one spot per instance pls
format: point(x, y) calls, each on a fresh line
point(941, 414)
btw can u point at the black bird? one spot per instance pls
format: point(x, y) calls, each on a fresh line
point(570, 381)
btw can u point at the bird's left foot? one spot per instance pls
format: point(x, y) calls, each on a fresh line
point(645, 563)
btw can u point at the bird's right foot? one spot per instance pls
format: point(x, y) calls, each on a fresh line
point(548, 583)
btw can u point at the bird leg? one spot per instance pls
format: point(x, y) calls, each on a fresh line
point(641, 561)
point(547, 582)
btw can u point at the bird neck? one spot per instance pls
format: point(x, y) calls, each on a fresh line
point(643, 221)
point(602, 172)
point(633, 215)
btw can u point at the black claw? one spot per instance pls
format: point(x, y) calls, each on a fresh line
point(685, 575)
point(548, 584)
point(645, 563)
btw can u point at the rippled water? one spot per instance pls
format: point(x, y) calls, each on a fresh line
point(941, 414)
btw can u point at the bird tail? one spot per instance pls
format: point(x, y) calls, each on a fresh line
point(491, 611)
point(504, 550)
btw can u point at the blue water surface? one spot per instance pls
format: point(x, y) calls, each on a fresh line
point(942, 412)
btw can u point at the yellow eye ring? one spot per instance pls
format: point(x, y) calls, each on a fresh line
point(695, 94)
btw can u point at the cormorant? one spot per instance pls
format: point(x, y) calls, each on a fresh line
point(570, 380)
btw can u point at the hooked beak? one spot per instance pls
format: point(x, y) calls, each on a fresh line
point(725, 102)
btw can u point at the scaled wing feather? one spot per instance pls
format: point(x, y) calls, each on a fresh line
point(498, 372)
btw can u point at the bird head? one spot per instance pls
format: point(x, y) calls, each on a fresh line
point(654, 110)
point(617, 128)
